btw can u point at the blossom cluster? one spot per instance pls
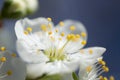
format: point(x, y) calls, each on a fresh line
point(52, 52)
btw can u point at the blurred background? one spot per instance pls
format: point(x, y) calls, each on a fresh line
point(101, 18)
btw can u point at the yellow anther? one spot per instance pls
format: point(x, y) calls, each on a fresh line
point(26, 32)
point(77, 36)
point(83, 42)
point(105, 78)
point(83, 34)
point(49, 19)
point(56, 30)
point(89, 68)
point(9, 73)
point(3, 48)
point(72, 28)
point(3, 59)
point(61, 23)
point(62, 34)
point(69, 37)
point(29, 29)
point(102, 62)
point(13, 55)
point(49, 25)
point(90, 51)
point(101, 77)
point(50, 32)
point(43, 27)
point(106, 69)
point(111, 78)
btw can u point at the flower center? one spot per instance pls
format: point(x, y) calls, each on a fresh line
point(55, 54)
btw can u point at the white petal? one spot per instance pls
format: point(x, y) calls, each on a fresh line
point(17, 67)
point(27, 55)
point(89, 59)
point(50, 68)
point(67, 77)
point(72, 46)
point(35, 24)
point(93, 52)
point(66, 28)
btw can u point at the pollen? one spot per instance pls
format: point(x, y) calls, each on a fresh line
point(49, 19)
point(26, 32)
point(105, 78)
point(3, 59)
point(13, 55)
point(89, 68)
point(90, 51)
point(56, 30)
point(111, 78)
point(43, 27)
point(50, 32)
point(9, 73)
point(102, 62)
point(106, 69)
point(49, 25)
point(83, 34)
point(69, 37)
point(77, 36)
point(62, 34)
point(3, 48)
point(83, 42)
point(72, 28)
point(61, 23)
point(29, 29)
point(101, 77)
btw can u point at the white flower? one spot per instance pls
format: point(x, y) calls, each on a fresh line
point(47, 49)
point(11, 68)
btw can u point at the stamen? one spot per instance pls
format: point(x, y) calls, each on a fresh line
point(111, 78)
point(26, 32)
point(105, 78)
point(90, 51)
point(61, 23)
point(43, 27)
point(29, 29)
point(62, 34)
point(89, 68)
point(77, 36)
point(83, 42)
point(9, 73)
point(49, 19)
point(101, 77)
point(3, 59)
point(83, 34)
point(56, 30)
point(50, 32)
point(49, 25)
point(3, 48)
point(13, 55)
point(72, 28)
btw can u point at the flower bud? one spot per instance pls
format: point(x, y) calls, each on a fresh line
point(18, 8)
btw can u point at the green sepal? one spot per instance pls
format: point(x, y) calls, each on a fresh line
point(74, 75)
point(48, 77)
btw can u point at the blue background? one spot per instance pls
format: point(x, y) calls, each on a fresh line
point(101, 18)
